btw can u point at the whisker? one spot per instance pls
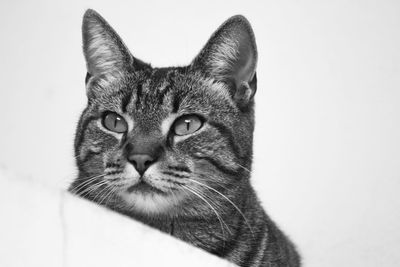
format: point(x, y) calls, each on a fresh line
point(214, 210)
point(90, 177)
point(244, 168)
point(91, 188)
point(111, 188)
point(86, 182)
point(172, 191)
point(78, 188)
point(215, 181)
point(217, 206)
point(233, 204)
point(101, 191)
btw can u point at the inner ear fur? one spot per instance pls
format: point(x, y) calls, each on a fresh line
point(230, 56)
point(104, 50)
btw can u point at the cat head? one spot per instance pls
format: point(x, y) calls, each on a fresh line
point(162, 140)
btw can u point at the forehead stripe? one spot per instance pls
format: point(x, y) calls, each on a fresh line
point(126, 100)
point(139, 93)
point(166, 87)
point(176, 102)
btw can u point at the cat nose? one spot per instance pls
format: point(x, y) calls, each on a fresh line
point(141, 162)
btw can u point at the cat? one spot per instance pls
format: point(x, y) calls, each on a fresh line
point(172, 147)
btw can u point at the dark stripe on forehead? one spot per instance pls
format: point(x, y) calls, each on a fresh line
point(139, 93)
point(176, 102)
point(170, 84)
point(126, 100)
point(156, 77)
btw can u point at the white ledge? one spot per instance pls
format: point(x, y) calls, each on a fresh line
point(42, 226)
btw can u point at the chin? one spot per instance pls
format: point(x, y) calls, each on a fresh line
point(151, 203)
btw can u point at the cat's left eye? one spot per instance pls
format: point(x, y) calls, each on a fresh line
point(187, 124)
point(115, 123)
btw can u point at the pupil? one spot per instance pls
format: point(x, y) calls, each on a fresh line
point(187, 124)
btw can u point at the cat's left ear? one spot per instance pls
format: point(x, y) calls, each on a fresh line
point(231, 56)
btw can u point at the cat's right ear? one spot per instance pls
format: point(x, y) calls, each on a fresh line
point(104, 51)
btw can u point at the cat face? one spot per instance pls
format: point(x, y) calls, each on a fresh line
point(159, 140)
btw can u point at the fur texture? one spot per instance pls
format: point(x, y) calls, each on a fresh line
point(195, 186)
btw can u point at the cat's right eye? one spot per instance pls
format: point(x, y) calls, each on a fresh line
point(115, 123)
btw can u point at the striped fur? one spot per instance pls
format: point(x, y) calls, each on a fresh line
point(201, 190)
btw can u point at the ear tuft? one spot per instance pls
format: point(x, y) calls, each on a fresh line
point(231, 56)
point(103, 48)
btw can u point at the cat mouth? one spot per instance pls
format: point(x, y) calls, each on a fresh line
point(144, 188)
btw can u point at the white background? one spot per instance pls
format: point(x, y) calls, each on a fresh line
point(327, 147)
